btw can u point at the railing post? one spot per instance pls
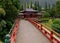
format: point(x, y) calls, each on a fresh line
point(58, 41)
point(45, 32)
point(51, 36)
point(50, 33)
point(41, 27)
point(38, 26)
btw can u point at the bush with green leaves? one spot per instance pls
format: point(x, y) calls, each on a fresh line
point(2, 12)
point(56, 25)
point(8, 13)
point(46, 15)
point(11, 10)
point(2, 22)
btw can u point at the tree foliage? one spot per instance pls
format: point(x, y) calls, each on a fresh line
point(8, 13)
point(55, 10)
point(2, 12)
point(36, 6)
point(46, 15)
point(2, 21)
point(16, 3)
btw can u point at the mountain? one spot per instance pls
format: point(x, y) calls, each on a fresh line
point(41, 2)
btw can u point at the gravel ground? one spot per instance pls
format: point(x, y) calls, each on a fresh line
point(27, 33)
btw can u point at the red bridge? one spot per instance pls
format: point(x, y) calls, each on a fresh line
point(29, 31)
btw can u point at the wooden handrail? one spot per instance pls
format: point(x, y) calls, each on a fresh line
point(51, 30)
point(14, 32)
point(49, 34)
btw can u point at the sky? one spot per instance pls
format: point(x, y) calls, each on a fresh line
point(41, 2)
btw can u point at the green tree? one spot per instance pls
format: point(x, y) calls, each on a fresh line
point(49, 6)
point(21, 7)
point(1, 3)
point(45, 6)
point(2, 22)
point(31, 5)
point(35, 5)
point(8, 14)
point(38, 7)
point(11, 10)
point(57, 9)
point(16, 3)
point(51, 11)
point(46, 15)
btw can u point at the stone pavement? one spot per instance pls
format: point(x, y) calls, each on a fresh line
point(28, 33)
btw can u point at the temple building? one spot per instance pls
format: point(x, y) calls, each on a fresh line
point(29, 13)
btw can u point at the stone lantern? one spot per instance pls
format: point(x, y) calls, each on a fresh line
point(7, 39)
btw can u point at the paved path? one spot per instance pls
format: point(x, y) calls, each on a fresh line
point(27, 33)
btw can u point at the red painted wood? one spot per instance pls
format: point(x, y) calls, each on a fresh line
point(51, 38)
point(14, 32)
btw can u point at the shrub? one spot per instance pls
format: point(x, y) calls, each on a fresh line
point(56, 21)
point(56, 25)
point(46, 15)
point(2, 23)
point(2, 12)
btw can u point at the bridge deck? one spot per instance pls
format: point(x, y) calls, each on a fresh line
point(27, 33)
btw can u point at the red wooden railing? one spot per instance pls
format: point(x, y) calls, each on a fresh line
point(49, 34)
point(14, 32)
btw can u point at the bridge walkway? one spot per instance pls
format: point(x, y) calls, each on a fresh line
point(27, 33)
